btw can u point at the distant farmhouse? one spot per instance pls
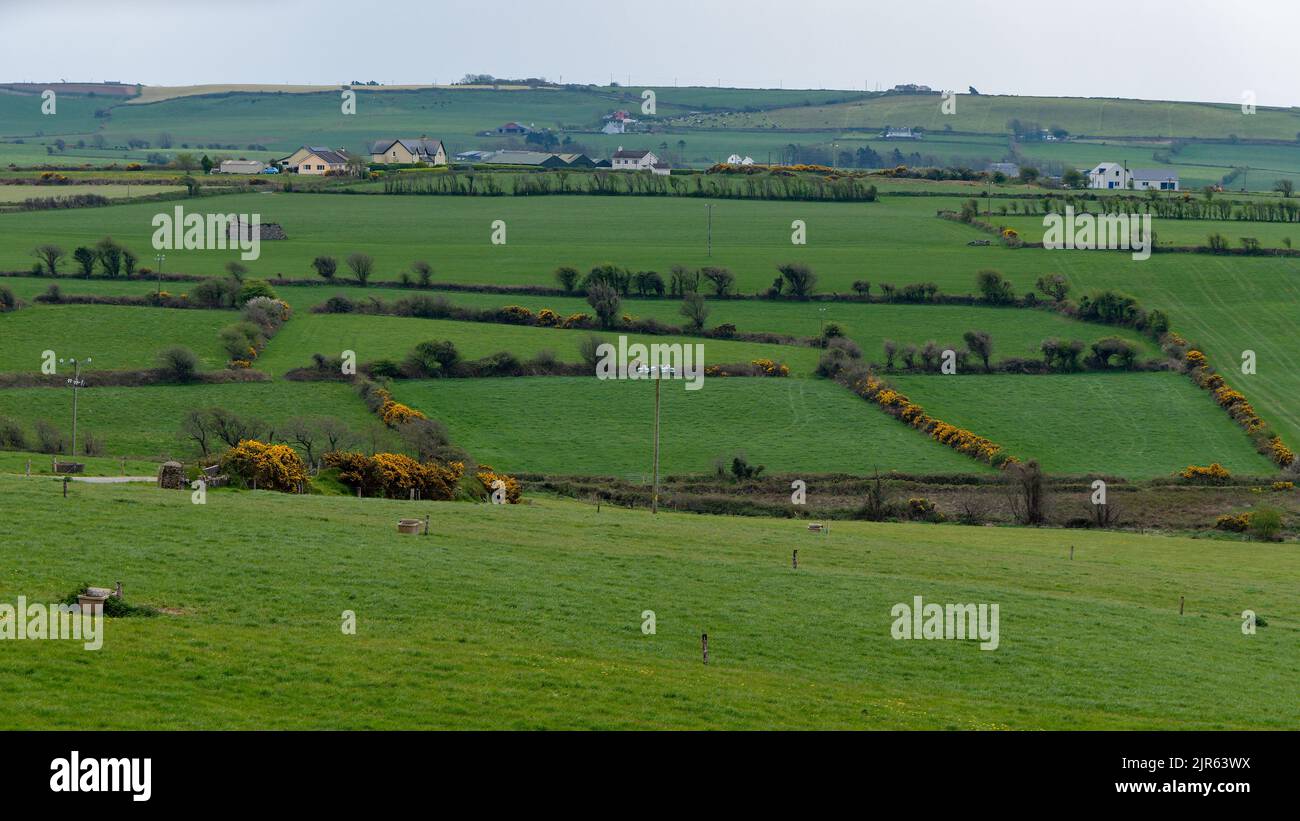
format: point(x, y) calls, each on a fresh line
point(513, 130)
point(1008, 169)
point(912, 88)
point(408, 152)
point(1114, 175)
point(315, 159)
point(617, 122)
point(891, 133)
point(631, 160)
point(241, 167)
point(736, 159)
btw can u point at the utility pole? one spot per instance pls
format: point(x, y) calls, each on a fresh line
point(657, 373)
point(75, 383)
point(160, 259)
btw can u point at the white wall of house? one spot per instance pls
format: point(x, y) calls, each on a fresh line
point(630, 164)
point(1109, 175)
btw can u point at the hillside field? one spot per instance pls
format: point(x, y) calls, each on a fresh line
point(530, 617)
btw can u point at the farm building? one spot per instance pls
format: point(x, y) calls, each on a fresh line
point(539, 159)
point(1114, 175)
point(1154, 178)
point(736, 159)
point(1008, 169)
point(629, 160)
point(408, 152)
point(513, 130)
point(241, 167)
point(315, 159)
point(891, 133)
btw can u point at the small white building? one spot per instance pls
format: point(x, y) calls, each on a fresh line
point(624, 160)
point(1109, 175)
point(241, 167)
point(1147, 179)
point(736, 159)
point(1113, 175)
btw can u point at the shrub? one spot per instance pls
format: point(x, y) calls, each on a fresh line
point(254, 288)
point(215, 293)
point(1265, 524)
point(588, 348)
point(432, 359)
point(49, 439)
point(606, 302)
point(362, 265)
point(272, 467)
point(11, 435)
point(1212, 474)
point(1283, 486)
point(567, 277)
point(799, 279)
point(488, 477)
point(994, 287)
point(395, 474)
point(8, 301)
point(696, 311)
point(723, 280)
point(178, 363)
point(338, 304)
point(423, 272)
point(1233, 522)
point(86, 259)
point(241, 340)
point(325, 267)
point(862, 287)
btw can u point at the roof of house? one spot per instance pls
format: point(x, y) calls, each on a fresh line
point(1153, 174)
point(329, 155)
point(423, 147)
point(621, 154)
point(521, 157)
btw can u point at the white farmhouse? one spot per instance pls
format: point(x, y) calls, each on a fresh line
point(633, 160)
point(736, 159)
point(1109, 175)
point(1114, 175)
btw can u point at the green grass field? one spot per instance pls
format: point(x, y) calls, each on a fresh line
point(18, 193)
point(579, 425)
point(116, 337)
point(144, 422)
point(1113, 424)
point(530, 617)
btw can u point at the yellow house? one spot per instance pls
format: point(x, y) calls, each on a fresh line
point(315, 159)
point(408, 152)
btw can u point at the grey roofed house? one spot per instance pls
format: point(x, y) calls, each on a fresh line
point(329, 155)
point(423, 149)
point(629, 154)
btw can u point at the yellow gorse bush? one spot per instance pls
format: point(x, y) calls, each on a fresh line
point(488, 476)
point(272, 467)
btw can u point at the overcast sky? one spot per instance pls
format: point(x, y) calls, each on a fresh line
point(1211, 50)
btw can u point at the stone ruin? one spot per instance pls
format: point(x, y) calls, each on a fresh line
point(266, 230)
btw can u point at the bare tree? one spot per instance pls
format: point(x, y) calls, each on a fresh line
point(50, 255)
point(198, 426)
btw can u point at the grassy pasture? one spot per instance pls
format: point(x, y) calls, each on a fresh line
point(604, 427)
point(143, 422)
point(1225, 304)
point(530, 617)
point(18, 193)
point(989, 114)
point(116, 337)
point(1112, 424)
